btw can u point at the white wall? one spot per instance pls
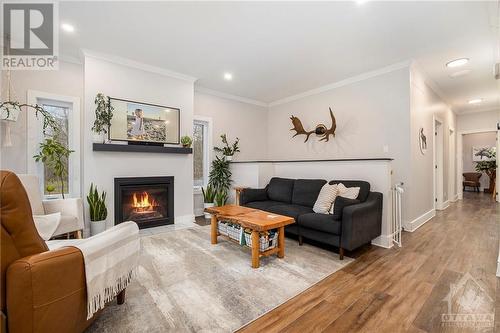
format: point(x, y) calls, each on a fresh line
point(67, 80)
point(237, 119)
point(370, 114)
point(478, 121)
point(125, 82)
point(425, 106)
point(477, 140)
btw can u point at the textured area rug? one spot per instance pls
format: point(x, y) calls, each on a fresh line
point(185, 284)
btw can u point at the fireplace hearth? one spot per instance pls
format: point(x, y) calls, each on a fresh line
point(148, 201)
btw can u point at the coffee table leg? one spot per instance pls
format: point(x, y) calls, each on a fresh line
point(213, 227)
point(255, 249)
point(281, 242)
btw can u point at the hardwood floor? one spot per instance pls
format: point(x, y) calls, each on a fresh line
point(408, 289)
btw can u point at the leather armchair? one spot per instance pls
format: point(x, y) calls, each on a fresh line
point(41, 290)
point(71, 209)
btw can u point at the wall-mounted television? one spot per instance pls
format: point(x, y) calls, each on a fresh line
point(138, 122)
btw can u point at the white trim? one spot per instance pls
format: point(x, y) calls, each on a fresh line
point(138, 65)
point(229, 96)
point(345, 82)
point(459, 113)
point(444, 205)
point(436, 180)
point(209, 137)
point(431, 84)
point(34, 136)
point(455, 198)
point(384, 241)
point(184, 218)
point(419, 221)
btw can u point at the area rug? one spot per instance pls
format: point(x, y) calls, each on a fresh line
point(185, 284)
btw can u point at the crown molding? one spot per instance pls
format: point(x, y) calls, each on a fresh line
point(493, 109)
point(345, 82)
point(230, 96)
point(137, 65)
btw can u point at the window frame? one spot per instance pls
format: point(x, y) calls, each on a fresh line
point(207, 153)
point(35, 136)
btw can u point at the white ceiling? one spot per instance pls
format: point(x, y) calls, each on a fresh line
point(279, 49)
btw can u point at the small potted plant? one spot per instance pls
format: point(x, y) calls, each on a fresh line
point(186, 141)
point(228, 150)
point(103, 116)
point(220, 198)
point(208, 199)
point(98, 210)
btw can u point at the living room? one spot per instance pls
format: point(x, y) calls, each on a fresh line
point(170, 131)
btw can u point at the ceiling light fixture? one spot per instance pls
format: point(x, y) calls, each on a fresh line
point(67, 27)
point(228, 76)
point(475, 101)
point(457, 62)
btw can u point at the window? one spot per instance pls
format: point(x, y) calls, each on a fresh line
point(200, 152)
point(51, 183)
point(66, 111)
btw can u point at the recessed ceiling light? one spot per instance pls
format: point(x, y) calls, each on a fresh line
point(457, 62)
point(460, 73)
point(67, 27)
point(475, 101)
point(228, 76)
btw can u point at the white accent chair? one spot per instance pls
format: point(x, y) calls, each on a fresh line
point(71, 209)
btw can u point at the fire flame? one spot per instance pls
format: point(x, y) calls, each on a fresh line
point(143, 203)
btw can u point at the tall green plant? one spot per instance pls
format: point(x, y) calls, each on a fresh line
point(97, 204)
point(220, 198)
point(227, 149)
point(208, 194)
point(220, 175)
point(489, 167)
point(103, 114)
point(55, 156)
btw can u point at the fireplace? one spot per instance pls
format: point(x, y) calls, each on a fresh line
point(148, 201)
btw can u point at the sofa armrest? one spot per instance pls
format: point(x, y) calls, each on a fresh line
point(362, 222)
point(253, 194)
point(67, 207)
point(340, 204)
point(46, 292)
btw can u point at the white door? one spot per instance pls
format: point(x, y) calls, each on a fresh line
point(438, 164)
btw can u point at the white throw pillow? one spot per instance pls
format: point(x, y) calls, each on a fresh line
point(325, 199)
point(346, 192)
point(46, 225)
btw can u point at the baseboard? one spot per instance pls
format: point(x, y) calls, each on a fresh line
point(444, 205)
point(455, 198)
point(185, 218)
point(419, 221)
point(384, 241)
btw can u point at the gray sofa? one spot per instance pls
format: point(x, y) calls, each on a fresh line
point(354, 222)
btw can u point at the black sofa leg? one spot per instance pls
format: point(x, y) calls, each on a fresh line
point(341, 253)
point(300, 240)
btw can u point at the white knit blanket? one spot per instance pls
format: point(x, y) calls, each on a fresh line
point(111, 259)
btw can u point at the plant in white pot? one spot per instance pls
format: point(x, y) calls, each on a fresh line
point(228, 150)
point(98, 210)
point(208, 199)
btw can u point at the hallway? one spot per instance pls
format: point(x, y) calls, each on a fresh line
point(408, 289)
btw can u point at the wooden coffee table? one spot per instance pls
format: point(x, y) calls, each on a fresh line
point(256, 220)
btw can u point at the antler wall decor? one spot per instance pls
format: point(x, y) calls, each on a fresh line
point(320, 130)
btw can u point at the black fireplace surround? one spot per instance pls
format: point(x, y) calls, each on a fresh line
point(148, 201)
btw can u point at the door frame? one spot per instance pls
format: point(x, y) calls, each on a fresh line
point(460, 159)
point(438, 161)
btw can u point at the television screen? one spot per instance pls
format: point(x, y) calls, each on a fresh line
point(142, 122)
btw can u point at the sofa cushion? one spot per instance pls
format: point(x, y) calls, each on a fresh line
point(306, 191)
point(325, 198)
point(280, 189)
point(364, 187)
point(320, 222)
point(290, 210)
point(263, 205)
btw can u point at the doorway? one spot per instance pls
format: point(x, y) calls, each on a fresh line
point(438, 164)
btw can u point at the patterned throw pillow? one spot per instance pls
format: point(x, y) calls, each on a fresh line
point(346, 192)
point(325, 199)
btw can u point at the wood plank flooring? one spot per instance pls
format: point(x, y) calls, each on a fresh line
point(408, 289)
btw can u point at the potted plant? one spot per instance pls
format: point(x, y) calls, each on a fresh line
point(228, 150)
point(103, 116)
point(98, 210)
point(208, 199)
point(220, 175)
point(220, 198)
point(55, 156)
point(186, 141)
point(489, 168)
